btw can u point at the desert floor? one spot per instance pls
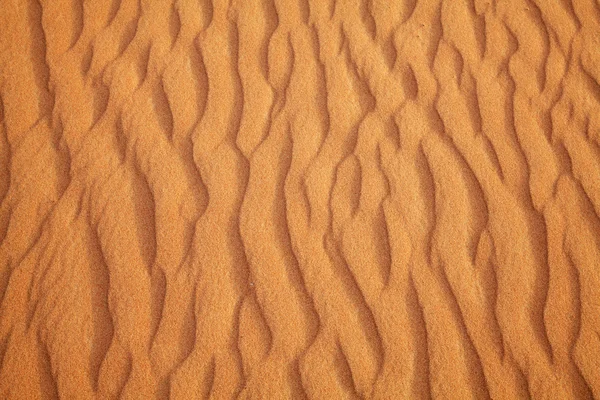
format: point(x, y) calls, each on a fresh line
point(286, 199)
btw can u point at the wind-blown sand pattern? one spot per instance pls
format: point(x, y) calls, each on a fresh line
point(283, 199)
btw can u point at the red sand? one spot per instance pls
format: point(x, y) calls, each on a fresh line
point(300, 199)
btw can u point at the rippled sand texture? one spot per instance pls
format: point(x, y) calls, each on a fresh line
point(300, 199)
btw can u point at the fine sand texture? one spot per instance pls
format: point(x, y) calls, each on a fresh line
point(290, 199)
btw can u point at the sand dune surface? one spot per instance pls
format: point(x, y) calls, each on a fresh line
point(288, 199)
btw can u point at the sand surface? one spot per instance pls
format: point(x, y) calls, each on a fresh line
point(286, 199)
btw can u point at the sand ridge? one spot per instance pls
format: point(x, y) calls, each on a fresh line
point(281, 199)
